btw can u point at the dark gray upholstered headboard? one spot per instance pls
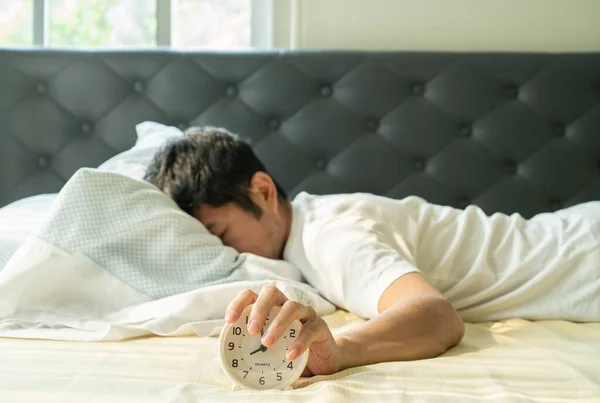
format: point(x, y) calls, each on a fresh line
point(509, 132)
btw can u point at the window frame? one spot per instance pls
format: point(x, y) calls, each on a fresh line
point(261, 23)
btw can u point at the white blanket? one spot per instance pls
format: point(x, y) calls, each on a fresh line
point(47, 293)
point(116, 259)
point(18, 220)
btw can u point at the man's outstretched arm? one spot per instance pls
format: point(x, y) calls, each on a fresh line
point(415, 322)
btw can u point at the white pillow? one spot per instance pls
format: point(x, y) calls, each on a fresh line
point(18, 220)
point(151, 136)
point(138, 234)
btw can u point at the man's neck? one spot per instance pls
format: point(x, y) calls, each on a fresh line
point(286, 217)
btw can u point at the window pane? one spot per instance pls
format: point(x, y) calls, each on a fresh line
point(215, 24)
point(103, 23)
point(16, 22)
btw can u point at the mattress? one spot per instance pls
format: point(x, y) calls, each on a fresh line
point(513, 360)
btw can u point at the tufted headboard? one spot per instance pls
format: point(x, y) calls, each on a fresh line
point(508, 132)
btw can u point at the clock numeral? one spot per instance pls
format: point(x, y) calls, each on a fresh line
point(261, 380)
point(279, 377)
point(290, 365)
point(292, 332)
point(246, 320)
point(231, 346)
point(234, 363)
point(245, 374)
point(237, 331)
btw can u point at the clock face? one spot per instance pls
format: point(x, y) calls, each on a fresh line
point(247, 362)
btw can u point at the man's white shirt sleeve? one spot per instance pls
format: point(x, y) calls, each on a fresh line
point(355, 262)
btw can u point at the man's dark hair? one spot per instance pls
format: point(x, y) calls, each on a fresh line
point(208, 166)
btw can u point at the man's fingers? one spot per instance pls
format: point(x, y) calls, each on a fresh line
point(290, 311)
point(313, 330)
point(269, 297)
point(241, 301)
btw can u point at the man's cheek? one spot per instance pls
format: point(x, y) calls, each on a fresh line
point(237, 243)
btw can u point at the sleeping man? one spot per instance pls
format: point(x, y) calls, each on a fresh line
point(415, 269)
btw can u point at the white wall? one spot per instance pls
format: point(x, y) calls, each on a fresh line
point(457, 25)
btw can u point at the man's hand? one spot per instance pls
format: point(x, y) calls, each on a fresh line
point(324, 353)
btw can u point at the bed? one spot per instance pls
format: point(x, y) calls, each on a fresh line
point(508, 132)
point(515, 360)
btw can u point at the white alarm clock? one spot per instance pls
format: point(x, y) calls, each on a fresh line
point(250, 364)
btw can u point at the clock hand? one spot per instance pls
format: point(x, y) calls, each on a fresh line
point(262, 349)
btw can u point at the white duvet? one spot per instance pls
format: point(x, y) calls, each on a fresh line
point(19, 220)
point(114, 259)
point(50, 294)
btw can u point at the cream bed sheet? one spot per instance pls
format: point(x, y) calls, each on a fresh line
point(514, 360)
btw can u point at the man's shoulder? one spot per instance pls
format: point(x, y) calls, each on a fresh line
point(320, 213)
point(334, 203)
point(350, 202)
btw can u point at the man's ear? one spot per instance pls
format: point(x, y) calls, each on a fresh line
point(263, 187)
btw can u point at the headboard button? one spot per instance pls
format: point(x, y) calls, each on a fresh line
point(274, 124)
point(326, 90)
point(555, 204)
point(138, 86)
point(558, 129)
point(86, 127)
point(510, 167)
point(418, 89)
point(419, 164)
point(466, 129)
point(231, 90)
point(41, 88)
point(463, 202)
point(511, 91)
point(43, 161)
point(372, 125)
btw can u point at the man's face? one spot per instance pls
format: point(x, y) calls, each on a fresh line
point(242, 230)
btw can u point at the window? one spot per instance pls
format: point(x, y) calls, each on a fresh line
point(16, 22)
point(212, 24)
point(215, 24)
point(108, 23)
